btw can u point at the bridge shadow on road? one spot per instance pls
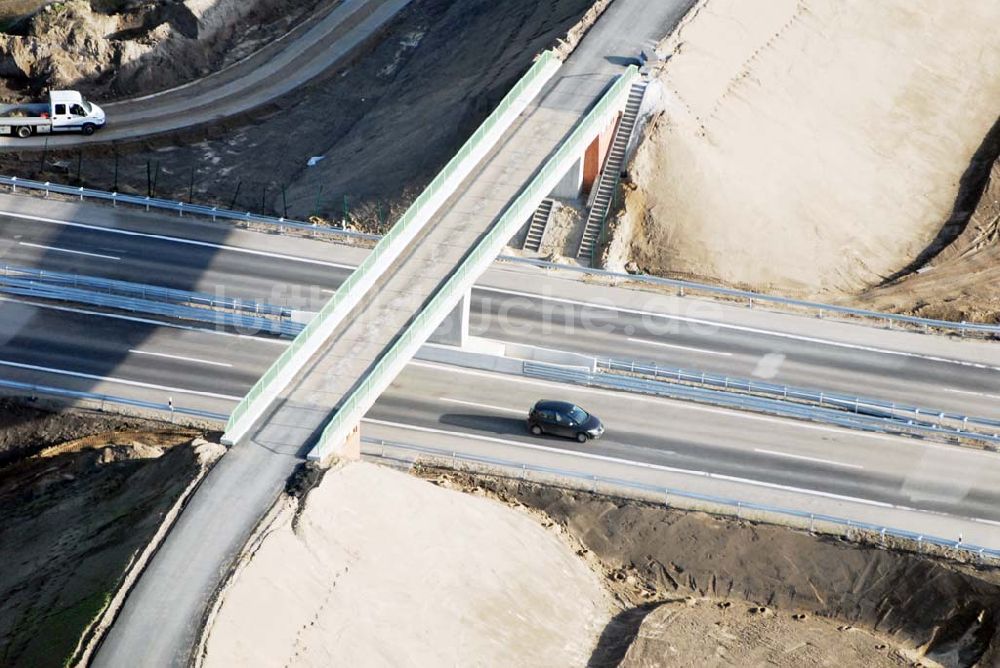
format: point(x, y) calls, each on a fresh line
point(73, 346)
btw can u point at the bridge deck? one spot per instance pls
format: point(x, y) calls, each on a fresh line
point(402, 291)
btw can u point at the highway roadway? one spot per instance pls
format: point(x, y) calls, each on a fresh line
point(877, 476)
point(285, 64)
point(563, 315)
point(203, 261)
point(474, 412)
point(212, 370)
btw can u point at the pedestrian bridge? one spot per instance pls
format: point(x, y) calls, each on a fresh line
point(423, 269)
point(312, 399)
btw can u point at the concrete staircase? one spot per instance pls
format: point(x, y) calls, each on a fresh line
point(536, 231)
point(608, 183)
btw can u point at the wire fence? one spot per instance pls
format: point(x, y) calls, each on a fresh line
point(669, 496)
point(196, 178)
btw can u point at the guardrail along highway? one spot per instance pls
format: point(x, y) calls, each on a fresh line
point(88, 328)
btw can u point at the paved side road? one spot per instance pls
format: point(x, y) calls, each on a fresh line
point(263, 77)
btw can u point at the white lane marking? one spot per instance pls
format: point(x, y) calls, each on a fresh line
point(329, 292)
point(178, 240)
point(645, 465)
point(181, 357)
point(487, 406)
point(339, 265)
point(975, 394)
point(121, 381)
point(980, 519)
point(144, 321)
point(808, 459)
point(684, 405)
point(741, 328)
point(67, 250)
point(674, 345)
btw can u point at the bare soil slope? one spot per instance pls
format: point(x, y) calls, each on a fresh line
point(411, 575)
point(960, 281)
point(123, 48)
point(927, 607)
point(73, 517)
point(708, 632)
point(812, 146)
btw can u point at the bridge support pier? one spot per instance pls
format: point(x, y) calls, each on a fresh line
point(582, 176)
point(571, 184)
point(352, 445)
point(348, 451)
point(454, 330)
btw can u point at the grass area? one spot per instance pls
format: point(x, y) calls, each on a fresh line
point(69, 528)
point(62, 628)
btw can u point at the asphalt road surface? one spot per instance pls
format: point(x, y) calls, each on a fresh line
point(874, 467)
point(302, 274)
point(162, 616)
point(265, 76)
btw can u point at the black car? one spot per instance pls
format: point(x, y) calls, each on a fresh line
point(562, 418)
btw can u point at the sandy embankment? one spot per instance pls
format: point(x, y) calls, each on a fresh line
point(960, 281)
point(385, 569)
point(120, 49)
point(812, 146)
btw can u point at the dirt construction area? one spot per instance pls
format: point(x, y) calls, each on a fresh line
point(508, 572)
point(82, 494)
point(383, 124)
point(823, 149)
point(124, 48)
point(758, 594)
point(463, 568)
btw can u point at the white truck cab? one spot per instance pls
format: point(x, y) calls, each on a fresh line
point(66, 111)
point(71, 112)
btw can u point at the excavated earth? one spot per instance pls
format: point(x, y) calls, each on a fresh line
point(956, 278)
point(82, 493)
point(384, 122)
point(827, 150)
point(124, 48)
point(703, 590)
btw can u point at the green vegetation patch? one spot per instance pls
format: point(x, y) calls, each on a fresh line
point(70, 526)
